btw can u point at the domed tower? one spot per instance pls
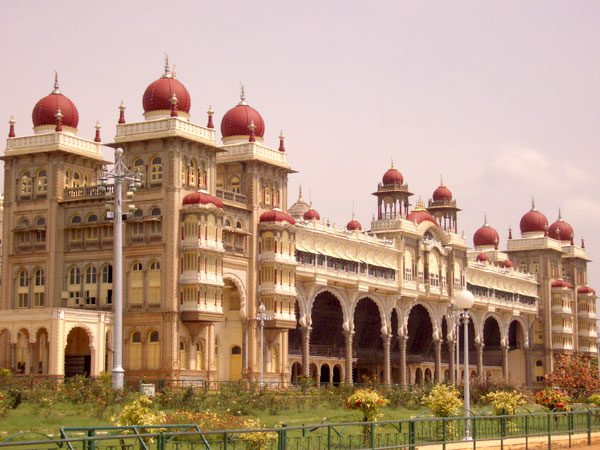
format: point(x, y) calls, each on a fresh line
point(392, 195)
point(166, 97)
point(561, 230)
point(242, 123)
point(299, 208)
point(486, 237)
point(443, 207)
point(533, 223)
point(55, 112)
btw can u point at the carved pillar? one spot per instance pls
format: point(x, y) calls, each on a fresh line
point(480, 373)
point(403, 379)
point(451, 359)
point(437, 347)
point(305, 351)
point(13, 356)
point(505, 362)
point(387, 370)
point(32, 368)
point(348, 355)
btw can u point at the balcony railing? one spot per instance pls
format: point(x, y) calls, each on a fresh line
point(86, 193)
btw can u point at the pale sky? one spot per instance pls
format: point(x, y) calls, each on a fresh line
point(500, 97)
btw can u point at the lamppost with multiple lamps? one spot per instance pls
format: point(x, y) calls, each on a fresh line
point(261, 316)
point(464, 301)
point(119, 174)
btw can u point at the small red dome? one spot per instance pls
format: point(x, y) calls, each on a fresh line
point(561, 230)
point(507, 264)
point(44, 111)
point(486, 235)
point(442, 193)
point(275, 215)
point(202, 198)
point(158, 94)
point(586, 290)
point(533, 221)
point(392, 176)
point(353, 225)
point(560, 283)
point(235, 121)
point(312, 214)
point(420, 215)
point(482, 257)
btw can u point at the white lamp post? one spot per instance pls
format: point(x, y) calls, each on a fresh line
point(119, 173)
point(261, 316)
point(464, 301)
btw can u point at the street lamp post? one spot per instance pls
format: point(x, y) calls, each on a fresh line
point(464, 301)
point(118, 174)
point(261, 316)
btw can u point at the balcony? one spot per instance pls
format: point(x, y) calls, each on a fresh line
point(276, 289)
point(346, 277)
point(199, 311)
point(566, 329)
point(202, 244)
point(588, 348)
point(591, 333)
point(233, 198)
point(86, 193)
point(562, 345)
point(277, 258)
point(191, 277)
point(166, 127)
point(587, 315)
point(561, 309)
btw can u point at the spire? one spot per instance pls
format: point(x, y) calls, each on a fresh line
point(11, 127)
point(281, 144)
point(98, 127)
point(251, 128)
point(485, 222)
point(59, 117)
point(559, 214)
point(210, 113)
point(300, 193)
point(391, 162)
point(56, 87)
point(173, 102)
point(510, 232)
point(122, 112)
point(532, 204)
point(583, 243)
point(173, 72)
point(167, 68)
point(441, 180)
point(242, 95)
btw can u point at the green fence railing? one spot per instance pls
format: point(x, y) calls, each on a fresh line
point(399, 434)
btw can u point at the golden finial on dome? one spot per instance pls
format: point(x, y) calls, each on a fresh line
point(242, 95)
point(56, 86)
point(167, 67)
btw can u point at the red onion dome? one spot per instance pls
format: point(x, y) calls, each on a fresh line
point(158, 95)
point(560, 283)
point(482, 257)
point(276, 215)
point(586, 290)
point(44, 111)
point(202, 198)
point(420, 214)
point(353, 225)
point(533, 221)
point(235, 121)
point(392, 176)
point(507, 264)
point(561, 230)
point(442, 193)
point(486, 235)
point(312, 214)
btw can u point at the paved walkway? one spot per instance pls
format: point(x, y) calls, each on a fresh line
point(578, 441)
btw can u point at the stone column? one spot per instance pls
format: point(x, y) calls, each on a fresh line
point(32, 365)
point(403, 379)
point(437, 347)
point(480, 373)
point(244, 348)
point(305, 351)
point(348, 355)
point(387, 370)
point(13, 356)
point(505, 362)
point(451, 360)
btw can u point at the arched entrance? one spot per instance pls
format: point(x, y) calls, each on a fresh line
point(41, 352)
point(368, 344)
point(296, 372)
point(23, 353)
point(492, 351)
point(228, 334)
point(428, 377)
point(78, 354)
point(419, 347)
point(295, 341)
point(418, 377)
point(325, 372)
point(337, 375)
point(516, 354)
point(326, 336)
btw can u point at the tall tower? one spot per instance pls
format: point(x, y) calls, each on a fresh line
point(444, 208)
point(392, 195)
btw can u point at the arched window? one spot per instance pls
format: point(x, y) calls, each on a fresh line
point(89, 287)
point(86, 180)
point(183, 359)
point(76, 180)
point(92, 218)
point(67, 178)
point(38, 288)
point(268, 193)
point(76, 219)
point(154, 283)
point(106, 285)
point(136, 284)
point(155, 226)
point(25, 184)
point(138, 213)
point(234, 184)
point(199, 357)
point(40, 222)
point(41, 183)
point(153, 351)
point(184, 172)
point(135, 351)
point(156, 171)
point(22, 289)
point(74, 286)
point(202, 175)
point(193, 174)
point(155, 212)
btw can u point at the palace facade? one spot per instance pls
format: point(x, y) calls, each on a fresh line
point(209, 237)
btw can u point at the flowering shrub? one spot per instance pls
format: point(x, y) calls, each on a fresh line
point(553, 399)
point(443, 400)
point(594, 399)
point(4, 405)
point(140, 411)
point(368, 402)
point(505, 403)
point(576, 375)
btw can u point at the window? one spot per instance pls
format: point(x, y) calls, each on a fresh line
point(25, 184)
point(539, 370)
point(74, 286)
point(38, 288)
point(22, 289)
point(76, 180)
point(41, 183)
point(67, 178)
point(153, 351)
point(234, 184)
point(138, 167)
point(182, 356)
point(135, 351)
point(155, 226)
point(92, 218)
point(136, 284)
point(106, 285)
point(76, 219)
point(193, 173)
point(156, 171)
point(202, 175)
point(154, 283)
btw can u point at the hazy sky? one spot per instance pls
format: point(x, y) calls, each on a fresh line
point(501, 97)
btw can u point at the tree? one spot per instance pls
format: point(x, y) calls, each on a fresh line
point(576, 374)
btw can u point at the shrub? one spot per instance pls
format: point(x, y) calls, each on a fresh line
point(594, 399)
point(443, 400)
point(505, 403)
point(4, 406)
point(14, 397)
point(553, 399)
point(368, 402)
point(577, 375)
point(140, 411)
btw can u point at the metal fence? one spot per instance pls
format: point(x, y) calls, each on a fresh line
point(399, 434)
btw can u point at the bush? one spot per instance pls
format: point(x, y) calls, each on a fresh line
point(443, 400)
point(505, 403)
point(14, 398)
point(140, 411)
point(553, 399)
point(577, 375)
point(4, 406)
point(594, 399)
point(368, 402)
